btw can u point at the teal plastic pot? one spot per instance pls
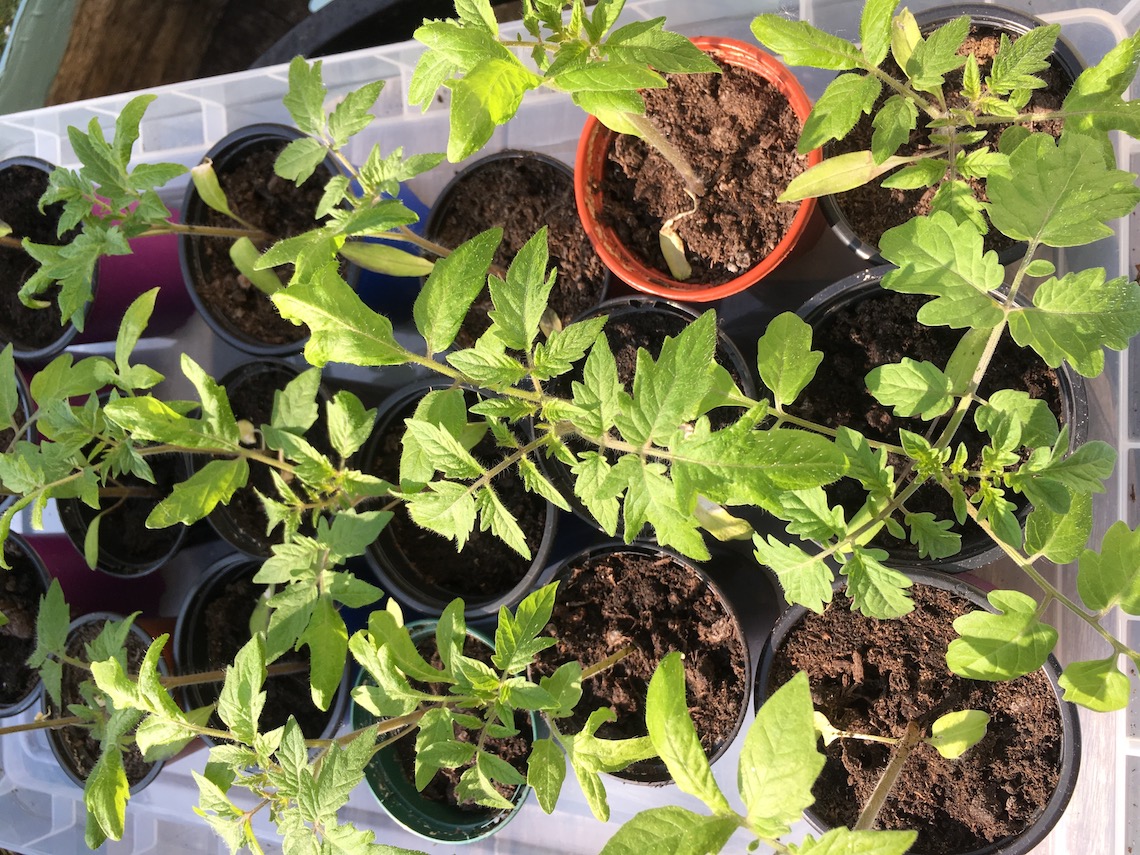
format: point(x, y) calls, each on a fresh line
point(410, 809)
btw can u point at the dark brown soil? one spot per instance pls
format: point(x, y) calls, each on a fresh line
point(276, 206)
point(654, 605)
point(487, 567)
point(77, 742)
point(20, 590)
point(20, 191)
point(880, 330)
point(872, 210)
point(443, 788)
point(126, 545)
point(874, 677)
point(739, 133)
point(251, 398)
point(520, 195)
point(226, 631)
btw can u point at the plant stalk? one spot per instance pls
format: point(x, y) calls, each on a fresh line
point(910, 739)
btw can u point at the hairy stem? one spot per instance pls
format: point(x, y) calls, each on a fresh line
point(901, 754)
point(652, 136)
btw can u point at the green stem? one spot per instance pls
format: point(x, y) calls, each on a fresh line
point(10, 242)
point(205, 231)
point(911, 738)
point(652, 136)
point(42, 724)
point(607, 663)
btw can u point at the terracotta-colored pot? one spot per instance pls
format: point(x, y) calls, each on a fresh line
point(594, 146)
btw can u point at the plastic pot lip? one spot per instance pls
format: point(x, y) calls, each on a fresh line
point(592, 553)
point(223, 570)
point(1015, 21)
point(1072, 389)
point(192, 209)
point(404, 805)
point(401, 583)
point(61, 755)
point(220, 519)
point(595, 142)
point(36, 691)
point(1070, 723)
point(68, 331)
point(444, 200)
point(113, 565)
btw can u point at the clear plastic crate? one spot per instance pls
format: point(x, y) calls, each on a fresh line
point(41, 812)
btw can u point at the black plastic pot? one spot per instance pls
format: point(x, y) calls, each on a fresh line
point(673, 317)
point(523, 184)
point(122, 558)
point(1071, 732)
point(62, 755)
point(231, 149)
point(245, 380)
point(394, 562)
point(33, 352)
point(433, 820)
point(1014, 22)
point(980, 550)
point(193, 642)
point(21, 415)
point(682, 634)
point(20, 591)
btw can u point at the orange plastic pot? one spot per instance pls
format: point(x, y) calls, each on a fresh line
point(594, 146)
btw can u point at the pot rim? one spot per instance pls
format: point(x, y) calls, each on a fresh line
point(1070, 723)
point(596, 140)
point(61, 755)
point(402, 584)
point(41, 571)
point(68, 331)
point(220, 571)
point(657, 773)
point(1071, 387)
point(419, 815)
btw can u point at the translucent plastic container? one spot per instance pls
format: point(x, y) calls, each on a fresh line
point(41, 813)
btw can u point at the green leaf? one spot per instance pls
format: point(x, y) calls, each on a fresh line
point(838, 174)
point(845, 99)
point(1017, 62)
point(953, 734)
point(327, 639)
point(342, 328)
point(937, 55)
point(675, 738)
point(447, 452)
point(607, 76)
point(1064, 195)
point(1001, 646)
point(875, 589)
point(784, 357)
point(382, 258)
point(1033, 421)
point(194, 498)
point(452, 287)
point(1049, 478)
point(1094, 106)
point(1109, 578)
point(779, 761)
point(648, 43)
point(300, 159)
point(105, 796)
point(494, 516)
point(1060, 537)
point(131, 329)
point(799, 43)
point(593, 485)
point(933, 537)
point(875, 30)
point(245, 256)
point(351, 115)
point(521, 299)
point(545, 773)
point(806, 579)
point(912, 388)
point(515, 633)
point(893, 125)
point(349, 424)
point(446, 508)
point(843, 841)
point(671, 831)
point(241, 699)
point(651, 498)
point(599, 393)
point(922, 173)
point(487, 96)
point(957, 198)
point(943, 258)
point(306, 96)
point(1098, 685)
point(1072, 319)
point(564, 347)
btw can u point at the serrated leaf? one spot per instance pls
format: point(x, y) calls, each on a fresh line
point(953, 734)
point(922, 173)
point(1060, 537)
point(1098, 685)
point(933, 537)
point(1108, 577)
point(351, 115)
point(912, 388)
point(875, 589)
point(607, 76)
point(799, 43)
point(893, 125)
point(785, 359)
point(546, 772)
point(300, 159)
point(937, 55)
point(648, 43)
point(105, 796)
point(1018, 61)
point(488, 95)
point(1001, 646)
point(845, 99)
point(671, 831)
point(843, 841)
point(806, 579)
point(779, 761)
point(306, 95)
point(674, 736)
point(1064, 195)
point(194, 498)
point(875, 30)
point(494, 516)
point(957, 198)
point(241, 699)
point(454, 283)
point(446, 508)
